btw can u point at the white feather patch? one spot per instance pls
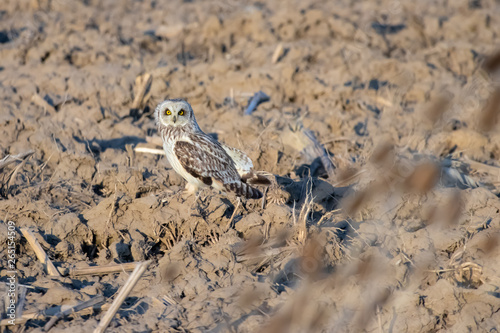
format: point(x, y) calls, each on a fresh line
point(242, 162)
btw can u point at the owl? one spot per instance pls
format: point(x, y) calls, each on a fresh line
point(200, 159)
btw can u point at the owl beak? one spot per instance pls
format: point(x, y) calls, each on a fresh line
point(175, 119)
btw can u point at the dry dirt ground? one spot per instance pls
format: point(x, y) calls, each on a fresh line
point(400, 237)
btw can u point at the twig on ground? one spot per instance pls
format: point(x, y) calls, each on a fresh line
point(303, 216)
point(320, 152)
point(76, 308)
point(39, 172)
point(27, 286)
point(142, 84)
point(230, 223)
point(52, 311)
point(264, 198)
point(40, 253)
point(481, 167)
point(12, 176)
point(379, 319)
point(9, 159)
point(231, 96)
point(278, 52)
point(98, 270)
point(149, 150)
point(350, 179)
point(169, 300)
point(265, 253)
point(439, 271)
point(122, 295)
point(339, 139)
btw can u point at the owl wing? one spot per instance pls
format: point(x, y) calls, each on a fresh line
point(244, 166)
point(241, 161)
point(205, 159)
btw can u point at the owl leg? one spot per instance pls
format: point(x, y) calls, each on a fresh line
point(191, 188)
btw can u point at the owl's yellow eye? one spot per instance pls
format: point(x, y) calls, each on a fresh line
point(181, 112)
point(168, 113)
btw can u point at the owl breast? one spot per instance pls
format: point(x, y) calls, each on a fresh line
point(170, 136)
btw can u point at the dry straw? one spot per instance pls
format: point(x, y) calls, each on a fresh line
point(122, 295)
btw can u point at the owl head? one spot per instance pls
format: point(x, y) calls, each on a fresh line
point(174, 112)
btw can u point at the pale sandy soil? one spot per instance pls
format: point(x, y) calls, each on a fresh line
point(390, 241)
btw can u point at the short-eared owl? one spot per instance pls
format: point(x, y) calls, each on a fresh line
point(200, 159)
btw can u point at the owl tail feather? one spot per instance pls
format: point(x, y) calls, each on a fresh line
point(243, 190)
point(253, 178)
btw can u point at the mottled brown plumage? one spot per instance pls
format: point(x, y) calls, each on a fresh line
point(199, 158)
